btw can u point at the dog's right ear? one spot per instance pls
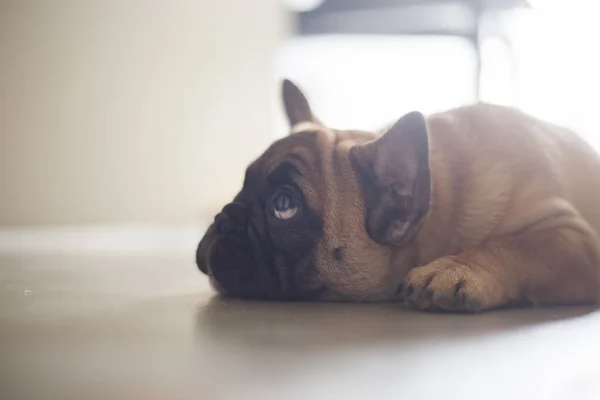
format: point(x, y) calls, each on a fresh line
point(394, 173)
point(297, 108)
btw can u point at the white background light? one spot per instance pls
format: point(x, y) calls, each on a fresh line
point(366, 82)
point(302, 5)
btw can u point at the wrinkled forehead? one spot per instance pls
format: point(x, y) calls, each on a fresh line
point(302, 152)
point(318, 155)
point(309, 145)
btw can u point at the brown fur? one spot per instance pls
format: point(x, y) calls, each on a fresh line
point(509, 211)
point(514, 216)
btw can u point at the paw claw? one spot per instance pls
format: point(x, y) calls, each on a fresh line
point(446, 285)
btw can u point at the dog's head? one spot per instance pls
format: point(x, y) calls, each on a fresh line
point(323, 214)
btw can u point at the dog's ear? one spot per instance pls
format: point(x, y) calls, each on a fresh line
point(394, 174)
point(296, 106)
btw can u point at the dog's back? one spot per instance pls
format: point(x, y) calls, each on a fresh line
point(497, 171)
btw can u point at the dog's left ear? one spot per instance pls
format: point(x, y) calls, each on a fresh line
point(297, 108)
point(394, 173)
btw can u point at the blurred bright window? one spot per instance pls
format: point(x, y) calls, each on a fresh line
point(365, 82)
point(548, 67)
point(558, 71)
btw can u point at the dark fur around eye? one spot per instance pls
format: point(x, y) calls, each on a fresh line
point(283, 175)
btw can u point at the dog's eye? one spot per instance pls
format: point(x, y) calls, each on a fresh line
point(284, 206)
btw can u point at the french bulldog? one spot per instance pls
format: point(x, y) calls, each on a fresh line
point(467, 210)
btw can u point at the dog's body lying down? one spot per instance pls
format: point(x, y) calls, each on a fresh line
point(467, 210)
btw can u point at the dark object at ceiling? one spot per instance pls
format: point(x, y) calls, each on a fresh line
point(401, 17)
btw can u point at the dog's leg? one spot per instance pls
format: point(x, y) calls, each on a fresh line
point(559, 265)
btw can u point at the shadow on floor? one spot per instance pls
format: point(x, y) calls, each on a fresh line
point(311, 326)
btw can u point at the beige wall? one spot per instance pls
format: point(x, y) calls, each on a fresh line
point(132, 111)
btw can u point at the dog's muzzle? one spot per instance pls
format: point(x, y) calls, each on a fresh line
point(237, 256)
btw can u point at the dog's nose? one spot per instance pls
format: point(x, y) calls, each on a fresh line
point(232, 216)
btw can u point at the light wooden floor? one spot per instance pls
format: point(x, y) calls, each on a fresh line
point(137, 327)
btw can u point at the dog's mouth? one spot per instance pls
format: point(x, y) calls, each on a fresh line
point(230, 262)
point(241, 263)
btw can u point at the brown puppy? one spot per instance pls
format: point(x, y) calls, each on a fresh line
point(466, 210)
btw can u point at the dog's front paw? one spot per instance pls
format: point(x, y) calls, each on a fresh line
point(450, 285)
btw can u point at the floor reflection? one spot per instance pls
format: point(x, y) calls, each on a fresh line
point(303, 326)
